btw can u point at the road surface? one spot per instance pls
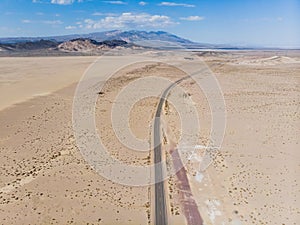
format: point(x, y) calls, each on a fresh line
point(161, 217)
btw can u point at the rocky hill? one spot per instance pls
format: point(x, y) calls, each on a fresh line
point(79, 46)
point(89, 45)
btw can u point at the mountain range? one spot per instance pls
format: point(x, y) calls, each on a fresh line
point(78, 46)
point(96, 43)
point(132, 36)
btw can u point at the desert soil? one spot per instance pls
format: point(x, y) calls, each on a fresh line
point(45, 180)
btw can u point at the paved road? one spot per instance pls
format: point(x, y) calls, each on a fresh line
point(160, 198)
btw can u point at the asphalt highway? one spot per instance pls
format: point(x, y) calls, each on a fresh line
point(161, 217)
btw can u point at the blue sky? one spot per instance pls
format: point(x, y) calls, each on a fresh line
point(272, 23)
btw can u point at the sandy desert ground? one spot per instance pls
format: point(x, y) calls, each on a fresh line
point(45, 180)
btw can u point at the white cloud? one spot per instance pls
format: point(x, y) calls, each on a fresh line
point(116, 2)
point(98, 14)
point(129, 20)
point(58, 2)
point(70, 27)
point(52, 22)
point(175, 4)
point(37, 1)
point(103, 14)
point(143, 3)
point(192, 18)
point(62, 2)
point(26, 21)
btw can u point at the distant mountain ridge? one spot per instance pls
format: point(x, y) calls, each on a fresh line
point(128, 36)
point(29, 45)
point(142, 38)
point(78, 45)
point(147, 39)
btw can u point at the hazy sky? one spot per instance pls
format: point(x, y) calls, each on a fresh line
point(273, 23)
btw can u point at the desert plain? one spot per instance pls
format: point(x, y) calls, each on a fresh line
point(254, 179)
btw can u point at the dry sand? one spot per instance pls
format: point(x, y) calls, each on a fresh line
point(254, 179)
point(25, 78)
point(45, 180)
